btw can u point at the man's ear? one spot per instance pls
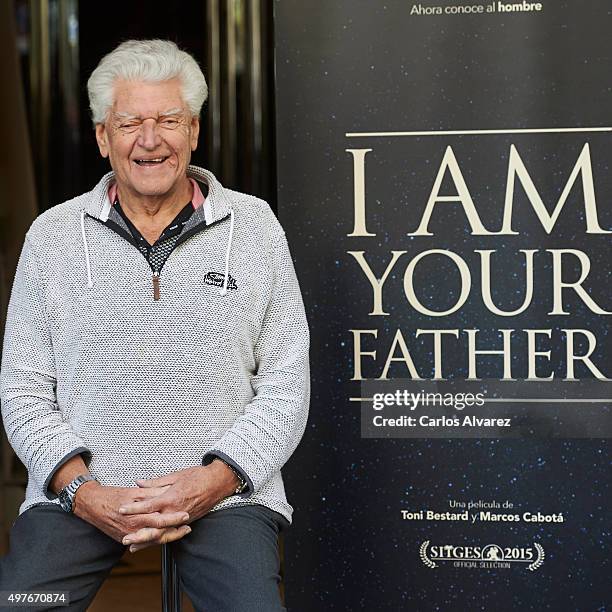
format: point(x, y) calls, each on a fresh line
point(195, 132)
point(102, 139)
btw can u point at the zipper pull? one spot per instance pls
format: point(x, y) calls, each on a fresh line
point(156, 292)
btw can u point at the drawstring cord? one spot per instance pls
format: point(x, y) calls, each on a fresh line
point(89, 281)
point(223, 289)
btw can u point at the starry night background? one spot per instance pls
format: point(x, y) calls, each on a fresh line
point(357, 66)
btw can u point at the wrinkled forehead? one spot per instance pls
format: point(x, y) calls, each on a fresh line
point(140, 99)
point(177, 111)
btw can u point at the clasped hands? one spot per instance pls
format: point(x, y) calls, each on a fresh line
point(159, 510)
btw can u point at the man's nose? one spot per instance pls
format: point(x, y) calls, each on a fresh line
point(149, 137)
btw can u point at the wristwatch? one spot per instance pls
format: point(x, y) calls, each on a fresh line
point(242, 483)
point(66, 495)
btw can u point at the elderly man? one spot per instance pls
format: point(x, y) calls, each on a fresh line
point(155, 368)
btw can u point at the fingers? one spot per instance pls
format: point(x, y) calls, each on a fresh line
point(166, 519)
point(154, 520)
point(148, 536)
point(144, 501)
point(146, 493)
point(145, 506)
point(163, 481)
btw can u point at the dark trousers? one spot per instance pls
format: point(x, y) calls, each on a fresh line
point(228, 563)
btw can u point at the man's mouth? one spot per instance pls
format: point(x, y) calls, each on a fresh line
point(152, 161)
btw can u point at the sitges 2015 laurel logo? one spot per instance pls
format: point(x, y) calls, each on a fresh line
point(490, 556)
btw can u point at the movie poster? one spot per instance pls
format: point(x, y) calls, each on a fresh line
point(444, 182)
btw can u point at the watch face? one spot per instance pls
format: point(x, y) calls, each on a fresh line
point(65, 501)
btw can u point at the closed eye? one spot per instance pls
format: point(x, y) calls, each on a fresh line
point(170, 122)
point(129, 125)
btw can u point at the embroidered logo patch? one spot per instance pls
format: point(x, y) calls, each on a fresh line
point(216, 279)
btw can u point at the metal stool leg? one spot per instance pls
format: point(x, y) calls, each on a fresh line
point(171, 590)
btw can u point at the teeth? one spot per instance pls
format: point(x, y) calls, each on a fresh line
point(157, 160)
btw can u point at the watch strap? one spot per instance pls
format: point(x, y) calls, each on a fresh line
point(67, 494)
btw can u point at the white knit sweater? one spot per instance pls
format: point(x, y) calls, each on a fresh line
point(93, 364)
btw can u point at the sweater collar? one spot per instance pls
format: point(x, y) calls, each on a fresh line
point(216, 205)
point(197, 198)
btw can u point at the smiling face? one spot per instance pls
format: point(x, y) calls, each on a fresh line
point(148, 136)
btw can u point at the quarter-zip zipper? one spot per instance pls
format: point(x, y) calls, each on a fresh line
point(182, 237)
point(156, 291)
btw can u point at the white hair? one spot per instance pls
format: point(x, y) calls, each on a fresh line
point(145, 60)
